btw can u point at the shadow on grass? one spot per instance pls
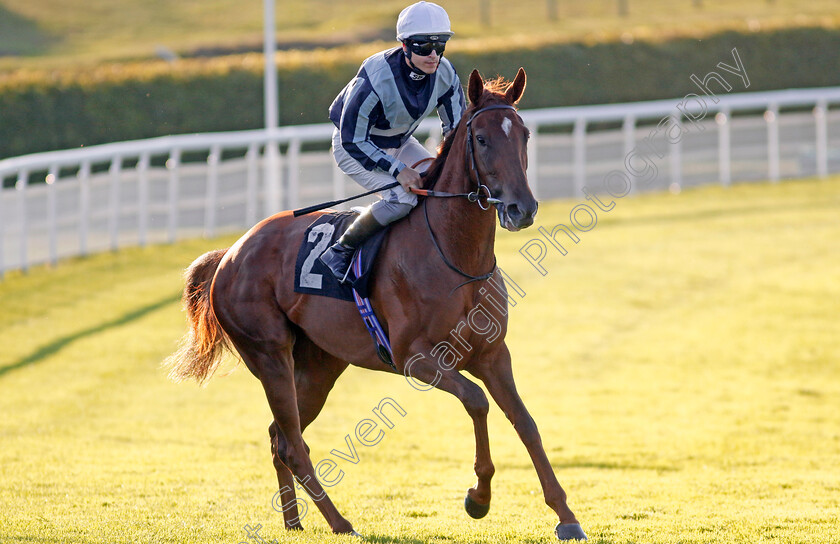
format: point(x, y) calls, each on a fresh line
point(612, 465)
point(385, 539)
point(60, 343)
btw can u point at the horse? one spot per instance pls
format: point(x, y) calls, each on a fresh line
point(297, 345)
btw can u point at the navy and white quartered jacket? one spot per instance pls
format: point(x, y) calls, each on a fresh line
point(382, 107)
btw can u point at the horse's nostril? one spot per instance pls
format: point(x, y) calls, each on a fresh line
point(514, 212)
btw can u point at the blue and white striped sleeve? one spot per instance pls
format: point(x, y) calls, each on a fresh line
point(451, 106)
point(362, 108)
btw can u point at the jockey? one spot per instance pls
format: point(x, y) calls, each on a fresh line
point(378, 111)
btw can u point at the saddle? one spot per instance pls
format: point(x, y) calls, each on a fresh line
point(312, 277)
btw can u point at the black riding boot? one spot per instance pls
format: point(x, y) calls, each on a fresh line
point(337, 258)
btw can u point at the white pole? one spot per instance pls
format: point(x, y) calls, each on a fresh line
point(675, 156)
point(579, 136)
point(533, 161)
point(143, 198)
point(820, 113)
point(724, 164)
point(293, 164)
point(771, 116)
point(174, 166)
point(628, 129)
point(252, 180)
point(84, 207)
point(114, 203)
point(52, 213)
point(272, 163)
point(20, 185)
point(212, 195)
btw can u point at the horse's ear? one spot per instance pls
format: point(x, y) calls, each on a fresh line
point(514, 92)
point(475, 88)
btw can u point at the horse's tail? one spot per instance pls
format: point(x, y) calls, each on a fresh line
point(203, 346)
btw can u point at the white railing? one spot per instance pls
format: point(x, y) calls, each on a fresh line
point(80, 201)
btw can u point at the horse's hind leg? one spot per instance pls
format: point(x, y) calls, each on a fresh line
point(315, 375)
point(264, 338)
point(288, 500)
point(280, 391)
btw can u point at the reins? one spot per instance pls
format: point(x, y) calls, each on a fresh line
point(446, 261)
point(474, 196)
point(481, 193)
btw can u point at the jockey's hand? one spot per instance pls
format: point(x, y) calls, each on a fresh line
point(409, 177)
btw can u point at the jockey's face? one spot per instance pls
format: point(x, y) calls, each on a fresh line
point(428, 64)
point(424, 55)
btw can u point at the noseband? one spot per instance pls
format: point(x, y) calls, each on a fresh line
point(476, 195)
point(481, 195)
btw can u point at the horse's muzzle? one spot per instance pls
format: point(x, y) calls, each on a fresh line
point(514, 217)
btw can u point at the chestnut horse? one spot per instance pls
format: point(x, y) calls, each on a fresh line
point(297, 344)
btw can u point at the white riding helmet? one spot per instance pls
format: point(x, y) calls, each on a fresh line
point(423, 18)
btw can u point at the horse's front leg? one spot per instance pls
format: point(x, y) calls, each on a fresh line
point(498, 377)
point(424, 373)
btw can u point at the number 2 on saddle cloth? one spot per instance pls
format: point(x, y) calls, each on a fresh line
point(312, 277)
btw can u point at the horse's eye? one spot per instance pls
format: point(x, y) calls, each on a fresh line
point(481, 140)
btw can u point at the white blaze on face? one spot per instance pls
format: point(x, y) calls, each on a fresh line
point(506, 124)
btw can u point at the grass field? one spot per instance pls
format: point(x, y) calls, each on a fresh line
point(58, 33)
point(682, 363)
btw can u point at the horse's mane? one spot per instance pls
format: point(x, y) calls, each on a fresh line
point(494, 90)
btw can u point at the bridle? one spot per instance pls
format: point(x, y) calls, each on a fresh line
point(474, 196)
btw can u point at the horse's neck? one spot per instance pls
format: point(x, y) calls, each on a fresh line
point(466, 233)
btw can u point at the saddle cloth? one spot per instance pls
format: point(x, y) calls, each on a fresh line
point(314, 278)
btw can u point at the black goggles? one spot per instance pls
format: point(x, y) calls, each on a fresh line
point(424, 49)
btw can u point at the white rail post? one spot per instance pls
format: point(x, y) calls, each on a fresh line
point(724, 160)
point(251, 185)
point(821, 115)
point(533, 172)
point(84, 206)
point(771, 116)
point(20, 186)
point(272, 167)
point(173, 164)
point(143, 198)
point(675, 156)
point(52, 214)
point(114, 202)
point(579, 135)
point(211, 201)
point(628, 130)
point(293, 169)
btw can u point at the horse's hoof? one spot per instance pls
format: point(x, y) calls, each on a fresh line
point(569, 531)
point(354, 533)
point(474, 509)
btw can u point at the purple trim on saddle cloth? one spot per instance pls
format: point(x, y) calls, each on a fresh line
point(383, 346)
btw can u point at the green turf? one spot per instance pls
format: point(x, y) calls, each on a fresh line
point(55, 33)
point(682, 362)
